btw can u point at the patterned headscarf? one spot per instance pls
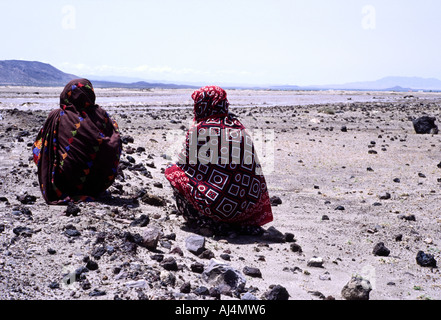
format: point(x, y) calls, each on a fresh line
point(78, 94)
point(210, 101)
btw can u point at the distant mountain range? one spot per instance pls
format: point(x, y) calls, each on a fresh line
point(34, 73)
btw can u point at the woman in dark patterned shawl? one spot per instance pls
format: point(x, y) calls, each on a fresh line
point(78, 149)
point(218, 180)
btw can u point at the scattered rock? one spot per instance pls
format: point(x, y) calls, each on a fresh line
point(141, 221)
point(275, 201)
point(277, 292)
point(252, 272)
point(92, 265)
point(381, 250)
point(316, 262)
point(425, 259)
point(358, 288)
point(425, 125)
point(72, 209)
point(341, 208)
point(222, 274)
point(296, 248)
point(197, 267)
point(206, 254)
point(26, 198)
point(150, 238)
point(407, 217)
point(153, 200)
point(195, 244)
point(23, 231)
point(169, 264)
point(384, 196)
point(273, 235)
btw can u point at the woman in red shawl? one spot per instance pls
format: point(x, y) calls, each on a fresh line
point(78, 149)
point(218, 181)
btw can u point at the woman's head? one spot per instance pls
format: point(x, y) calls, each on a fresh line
point(210, 101)
point(79, 93)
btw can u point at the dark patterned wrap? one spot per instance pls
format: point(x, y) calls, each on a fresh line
point(78, 149)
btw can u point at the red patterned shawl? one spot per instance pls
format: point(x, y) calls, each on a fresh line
point(218, 171)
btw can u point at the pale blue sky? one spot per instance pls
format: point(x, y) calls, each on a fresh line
point(242, 41)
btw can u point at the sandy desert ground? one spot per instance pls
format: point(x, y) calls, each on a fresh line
point(342, 192)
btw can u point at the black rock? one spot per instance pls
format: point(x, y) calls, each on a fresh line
point(23, 231)
point(206, 254)
point(275, 201)
point(72, 209)
point(127, 139)
point(71, 231)
point(51, 251)
point(197, 267)
point(185, 288)
point(385, 196)
point(96, 293)
point(425, 260)
point(92, 265)
point(169, 264)
point(202, 291)
point(54, 285)
point(344, 129)
point(157, 257)
point(273, 235)
point(341, 208)
point(289, 237)
point(381, 250)
point(425, 125)
point(277, 293)
point(252, 272)
point(296, 248)
point(142, 221)
point(27, 199)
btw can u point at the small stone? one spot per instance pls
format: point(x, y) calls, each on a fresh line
point(277, 292)
point(289, 237)
point(341, 208)
point(150, 238)
point(248, 296)
point(425, 260)
point(195, 244)
point(51, 251)
point(344, 129)
point(385, 196)
point(72, 209)
point(169, 264)
point(407, 217)
point(252, 272)
point(141, 221)
point(399, 237)
point(27, 199)
point(92, 265)
point(202, 291)
point(153, 200)
point(397, 180)
point(197, 267)
point(381, 250)
point(225, 256)
point(275, 201)
point(316, 262)
point(23, 231)
point(206, 254)
point(358, 288)
point(54, 285)
point(296, 248)
point(97, 293)
point(325, 217)
point(274, 235)
point(185, 288)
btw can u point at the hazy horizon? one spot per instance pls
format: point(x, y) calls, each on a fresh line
point(283, 42)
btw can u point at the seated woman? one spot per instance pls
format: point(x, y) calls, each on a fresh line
point(78, 149)
point(218, 181)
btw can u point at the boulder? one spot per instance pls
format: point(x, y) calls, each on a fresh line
point(425, 125)
point(358, 288)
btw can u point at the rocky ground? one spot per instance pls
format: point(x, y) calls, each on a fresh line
point(356, 192)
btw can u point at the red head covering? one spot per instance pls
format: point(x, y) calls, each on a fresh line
point(210, 101)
